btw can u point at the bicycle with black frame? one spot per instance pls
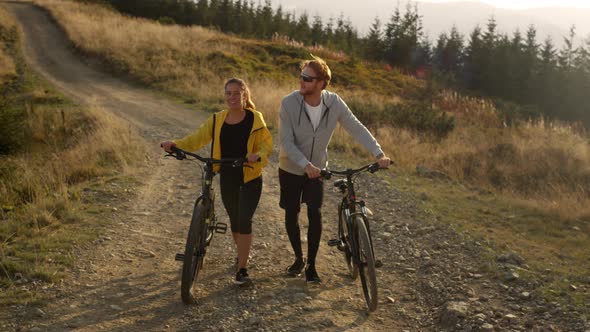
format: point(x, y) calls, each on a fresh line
point(354, 232)
point(203, 222)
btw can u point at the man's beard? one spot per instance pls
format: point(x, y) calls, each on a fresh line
point(305, 92)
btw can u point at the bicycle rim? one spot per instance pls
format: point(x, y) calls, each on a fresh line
point(193, 255)
point(345, 238)
point(366, 265)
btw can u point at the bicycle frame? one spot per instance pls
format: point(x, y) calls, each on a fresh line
point(356, 242)
point(207, 196)
point(203, 222)
point(353, 208)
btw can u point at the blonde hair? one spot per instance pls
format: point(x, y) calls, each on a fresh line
point(244, 88)
point(320, 67)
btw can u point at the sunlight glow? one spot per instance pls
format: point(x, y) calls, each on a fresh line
point(524, 4)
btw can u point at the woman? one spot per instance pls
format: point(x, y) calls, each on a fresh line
point(239, 131)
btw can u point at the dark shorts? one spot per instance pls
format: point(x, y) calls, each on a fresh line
point(240, 200)
point(296, 189)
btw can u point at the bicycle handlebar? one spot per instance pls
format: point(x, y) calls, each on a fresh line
point(374, 167)
point(181, 154)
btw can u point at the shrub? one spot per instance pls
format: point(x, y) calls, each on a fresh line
point(11, 128)
point(165, 20)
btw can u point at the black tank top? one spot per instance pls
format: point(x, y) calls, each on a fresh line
point(234, 140)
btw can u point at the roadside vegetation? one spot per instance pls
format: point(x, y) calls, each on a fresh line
point(529, 177)
point(50, 151)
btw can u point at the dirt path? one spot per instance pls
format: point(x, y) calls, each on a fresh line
point(432, 278)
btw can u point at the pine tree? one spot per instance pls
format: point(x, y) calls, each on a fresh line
point(202, 14)
point(224, 15)
point(547, 79)
point(529, 64)
point(280, 24)
point(266, 17)
point(568, 53)
point(423, 54)
point(374, 47)
point(317, 31)
point(472, 66)
point(302, 30)
point(454, 51)
point(351, 38)
point(329, 32)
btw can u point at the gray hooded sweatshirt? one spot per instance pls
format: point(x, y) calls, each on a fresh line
point(300, 144)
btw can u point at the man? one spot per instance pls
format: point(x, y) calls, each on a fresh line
point(308, 118)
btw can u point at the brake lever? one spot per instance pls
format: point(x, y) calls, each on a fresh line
point(244, 163)
point(374, 168)
point(177, 155)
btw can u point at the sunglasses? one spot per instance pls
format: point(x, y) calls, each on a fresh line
point(307, 78)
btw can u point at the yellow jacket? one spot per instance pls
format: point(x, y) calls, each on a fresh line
point(259, 141)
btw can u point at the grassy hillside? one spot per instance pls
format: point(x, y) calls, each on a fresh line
point(548, 162)
point(50, 151)
point(522, 186)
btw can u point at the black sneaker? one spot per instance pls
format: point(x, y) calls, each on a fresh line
point(242, 278)
point(311, 275)
point(295, 269)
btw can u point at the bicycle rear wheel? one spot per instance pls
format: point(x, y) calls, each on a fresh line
point(346, 239)
point(194, 253)
point(366, 264)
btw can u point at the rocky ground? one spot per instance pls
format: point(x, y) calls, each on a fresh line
point(433, 279)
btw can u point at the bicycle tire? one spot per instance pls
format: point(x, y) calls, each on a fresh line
point(212, 222)
point(366, 264)
point(193, 254)
point(345, 238)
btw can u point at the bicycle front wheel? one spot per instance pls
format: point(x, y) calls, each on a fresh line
point(194, 253)
point(366, 264)
point(347, 241)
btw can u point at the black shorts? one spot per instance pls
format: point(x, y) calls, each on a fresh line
point(240, 200)
point(296, 189)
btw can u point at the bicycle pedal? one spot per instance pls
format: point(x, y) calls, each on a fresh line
point(334, 242)
point(179, 257)
point(220, 228)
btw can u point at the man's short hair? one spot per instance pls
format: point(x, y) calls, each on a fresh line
point(320, 67)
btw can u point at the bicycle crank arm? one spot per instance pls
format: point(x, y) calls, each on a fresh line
point(337, 243)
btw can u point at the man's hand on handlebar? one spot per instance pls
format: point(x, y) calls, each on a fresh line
point(383, 161)
point(312, 171)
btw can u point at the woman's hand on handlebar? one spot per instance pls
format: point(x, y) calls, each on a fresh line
point(167, 146)
point(252, 158)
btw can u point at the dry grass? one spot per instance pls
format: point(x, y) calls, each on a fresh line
point(168, 57)
point(546, 165)
point(40, 189)
point(56, 149)
point(67, 147)
point(6, 21)
point(7, 67)
point(153, 53)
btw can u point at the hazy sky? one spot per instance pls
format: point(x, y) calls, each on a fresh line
point(521, 4)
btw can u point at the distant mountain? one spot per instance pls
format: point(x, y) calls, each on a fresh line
point(440, 17)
